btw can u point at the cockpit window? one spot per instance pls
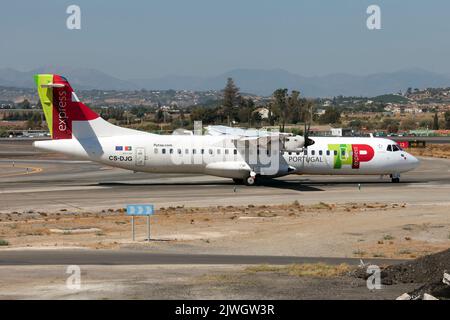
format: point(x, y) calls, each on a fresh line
point(389, 148)
point(395, 148)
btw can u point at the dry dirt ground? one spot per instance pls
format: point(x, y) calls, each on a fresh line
point(381, 230)
point(184, 282)
point(432, 150)
point(352, 229)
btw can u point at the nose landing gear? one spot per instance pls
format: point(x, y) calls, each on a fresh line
point(395, 177)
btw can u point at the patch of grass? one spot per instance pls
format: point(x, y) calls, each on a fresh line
point(4, 242)
point(359, 252)
point(388, 237)
point(404, 251)
point(304, 270)
point(378, 255)
point(323, 205)
point(318, 270)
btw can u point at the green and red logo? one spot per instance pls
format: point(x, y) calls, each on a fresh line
point(351, 154)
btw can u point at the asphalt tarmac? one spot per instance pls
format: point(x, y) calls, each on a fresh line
point(133, 257)
point(84, 186)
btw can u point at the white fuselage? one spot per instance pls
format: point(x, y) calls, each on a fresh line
point(220, 156)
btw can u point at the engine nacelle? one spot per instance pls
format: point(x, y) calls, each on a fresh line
point(228, 169)
point(294, 142)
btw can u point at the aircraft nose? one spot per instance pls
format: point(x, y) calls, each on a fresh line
point(414, 162)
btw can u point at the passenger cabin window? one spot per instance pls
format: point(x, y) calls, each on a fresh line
point(313, 152)
point(155, 150)
point(163, 151)
point(227, 151)
point(235, 151)
point(179, 151)
point(328, 152)
point(320, 152)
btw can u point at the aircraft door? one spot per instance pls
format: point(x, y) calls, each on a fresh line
point(140, 156)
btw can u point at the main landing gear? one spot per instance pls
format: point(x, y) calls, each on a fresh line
point(395, 177)
point(249, 181)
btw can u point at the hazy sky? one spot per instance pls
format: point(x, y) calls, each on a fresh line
point(206, 37)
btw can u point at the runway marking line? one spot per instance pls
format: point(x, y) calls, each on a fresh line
point(33, 170)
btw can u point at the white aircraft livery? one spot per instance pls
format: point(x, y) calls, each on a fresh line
point(242, 155)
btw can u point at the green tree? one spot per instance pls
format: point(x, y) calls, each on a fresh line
point(435, 121)
point(356, 124)
point(390, 125)
point(426, 123)
point(159, 116)
point(332, 115)
point(295, 107)
point(281, 106)
point(447, 120)
point(246, 108)
point(408, 124)
point(25, 104)
point(230, 97)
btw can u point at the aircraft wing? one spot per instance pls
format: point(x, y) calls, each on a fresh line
point(218, 130)
point(261, 137)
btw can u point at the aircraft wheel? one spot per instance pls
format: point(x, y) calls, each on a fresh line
point(395, 178)
point(250, 181)
point(238, 181)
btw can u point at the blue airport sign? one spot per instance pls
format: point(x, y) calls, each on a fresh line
point(140, 209)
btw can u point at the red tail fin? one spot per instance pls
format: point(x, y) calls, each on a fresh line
point(62, 104)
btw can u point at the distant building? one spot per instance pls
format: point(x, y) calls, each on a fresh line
point(341, 132)
point(263, 112)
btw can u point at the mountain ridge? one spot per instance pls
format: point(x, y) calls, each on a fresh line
point(257, 81)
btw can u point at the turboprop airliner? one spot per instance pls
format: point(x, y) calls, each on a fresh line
point(243, 156)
